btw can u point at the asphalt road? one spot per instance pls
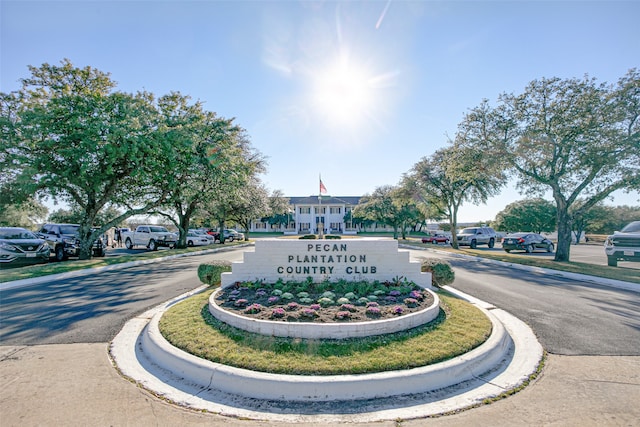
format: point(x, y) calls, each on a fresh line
point(92, 309)
point(569, 316)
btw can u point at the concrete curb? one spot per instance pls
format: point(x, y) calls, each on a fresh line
point(140, 354)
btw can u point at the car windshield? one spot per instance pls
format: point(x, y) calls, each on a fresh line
point(158, 229)
point(468, 231)
point(633, 227)
point(17, 234)
point(69, 229)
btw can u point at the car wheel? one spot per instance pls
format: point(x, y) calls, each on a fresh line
point(190, 243)
point(473, 244)
point(612, 261)
point(434, 242)
point(446, 242)
point(550, 247)
point(491, 243)
point(507, 250)
point(529, 248)
point(153, 245)
point(59, 254)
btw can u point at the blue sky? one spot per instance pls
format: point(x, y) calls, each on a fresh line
point(355, 91)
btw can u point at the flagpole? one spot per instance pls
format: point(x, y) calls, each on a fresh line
point(320, 223)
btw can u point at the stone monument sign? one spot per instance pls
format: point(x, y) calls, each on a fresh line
point(367, 259)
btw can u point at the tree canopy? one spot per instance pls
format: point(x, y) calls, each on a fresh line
point(69, 135)
point(573, 138)
point(450, 177)
point(534, 215)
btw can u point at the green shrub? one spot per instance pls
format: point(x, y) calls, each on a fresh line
point(209, 273)
point(332, 236)
point(441, 272)
point(308, 236)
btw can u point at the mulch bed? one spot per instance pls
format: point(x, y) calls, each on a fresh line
point(255, 304)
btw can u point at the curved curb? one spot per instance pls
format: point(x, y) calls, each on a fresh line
point(140, 353)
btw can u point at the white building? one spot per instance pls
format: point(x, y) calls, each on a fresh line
point(310, 213)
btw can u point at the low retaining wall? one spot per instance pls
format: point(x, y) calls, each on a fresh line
point(258, 385)
point(336, 330)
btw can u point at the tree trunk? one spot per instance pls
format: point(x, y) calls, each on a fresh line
point(564, 234)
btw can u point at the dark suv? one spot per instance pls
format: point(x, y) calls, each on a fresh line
point(63, 241)
point(474, 236)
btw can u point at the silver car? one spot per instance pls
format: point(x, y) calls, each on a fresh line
point(19, 246)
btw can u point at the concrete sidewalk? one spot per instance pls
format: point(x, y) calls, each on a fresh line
point(77, 385)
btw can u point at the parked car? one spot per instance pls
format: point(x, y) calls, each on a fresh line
point(195, 239)
point(528, 242)
point(19, 246)
point(435, 239)
point(474, 236)
point(231, 235)
point(150, 236)
point(64, 242)
point(623, 245)
point(203, 233)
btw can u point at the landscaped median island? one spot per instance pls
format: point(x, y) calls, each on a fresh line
point(459, 328)
point(324, 302)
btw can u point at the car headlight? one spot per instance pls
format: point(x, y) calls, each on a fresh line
point(44, 248)
point(608, 241)
point(8, 247)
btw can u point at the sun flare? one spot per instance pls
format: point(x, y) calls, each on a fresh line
point(343, 93)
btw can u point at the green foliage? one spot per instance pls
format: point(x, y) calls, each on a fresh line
point(532, 215)
point(308, 236)
point(452, 176)
point(332, 236)
point(441, 272)
point(576, 139)
point(210, 273)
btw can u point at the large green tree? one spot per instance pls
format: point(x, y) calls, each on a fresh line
point(209, 150)
point(71, 136)
point(387, 205)
point(450, 177)
point(574, 138)
point(252, 202)
point(534, 215)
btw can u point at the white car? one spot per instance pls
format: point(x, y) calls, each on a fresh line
point(194, 239)
point(204, 234)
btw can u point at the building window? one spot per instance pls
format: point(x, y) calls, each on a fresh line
point(260, 226)
point(305, 209)
point(335, 209)
point(321, 210)
point(335, 225)
point(305, 226)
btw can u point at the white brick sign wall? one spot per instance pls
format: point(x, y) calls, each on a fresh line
point(349, 259)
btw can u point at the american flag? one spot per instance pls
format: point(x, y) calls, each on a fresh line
point(323, 189)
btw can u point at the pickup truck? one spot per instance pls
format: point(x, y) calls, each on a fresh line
point(63, 241)
point(149, 236)
point(623, 245)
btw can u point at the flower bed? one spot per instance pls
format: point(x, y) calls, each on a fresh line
point(324, 302)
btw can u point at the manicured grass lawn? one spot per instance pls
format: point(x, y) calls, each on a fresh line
point(189, 326)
